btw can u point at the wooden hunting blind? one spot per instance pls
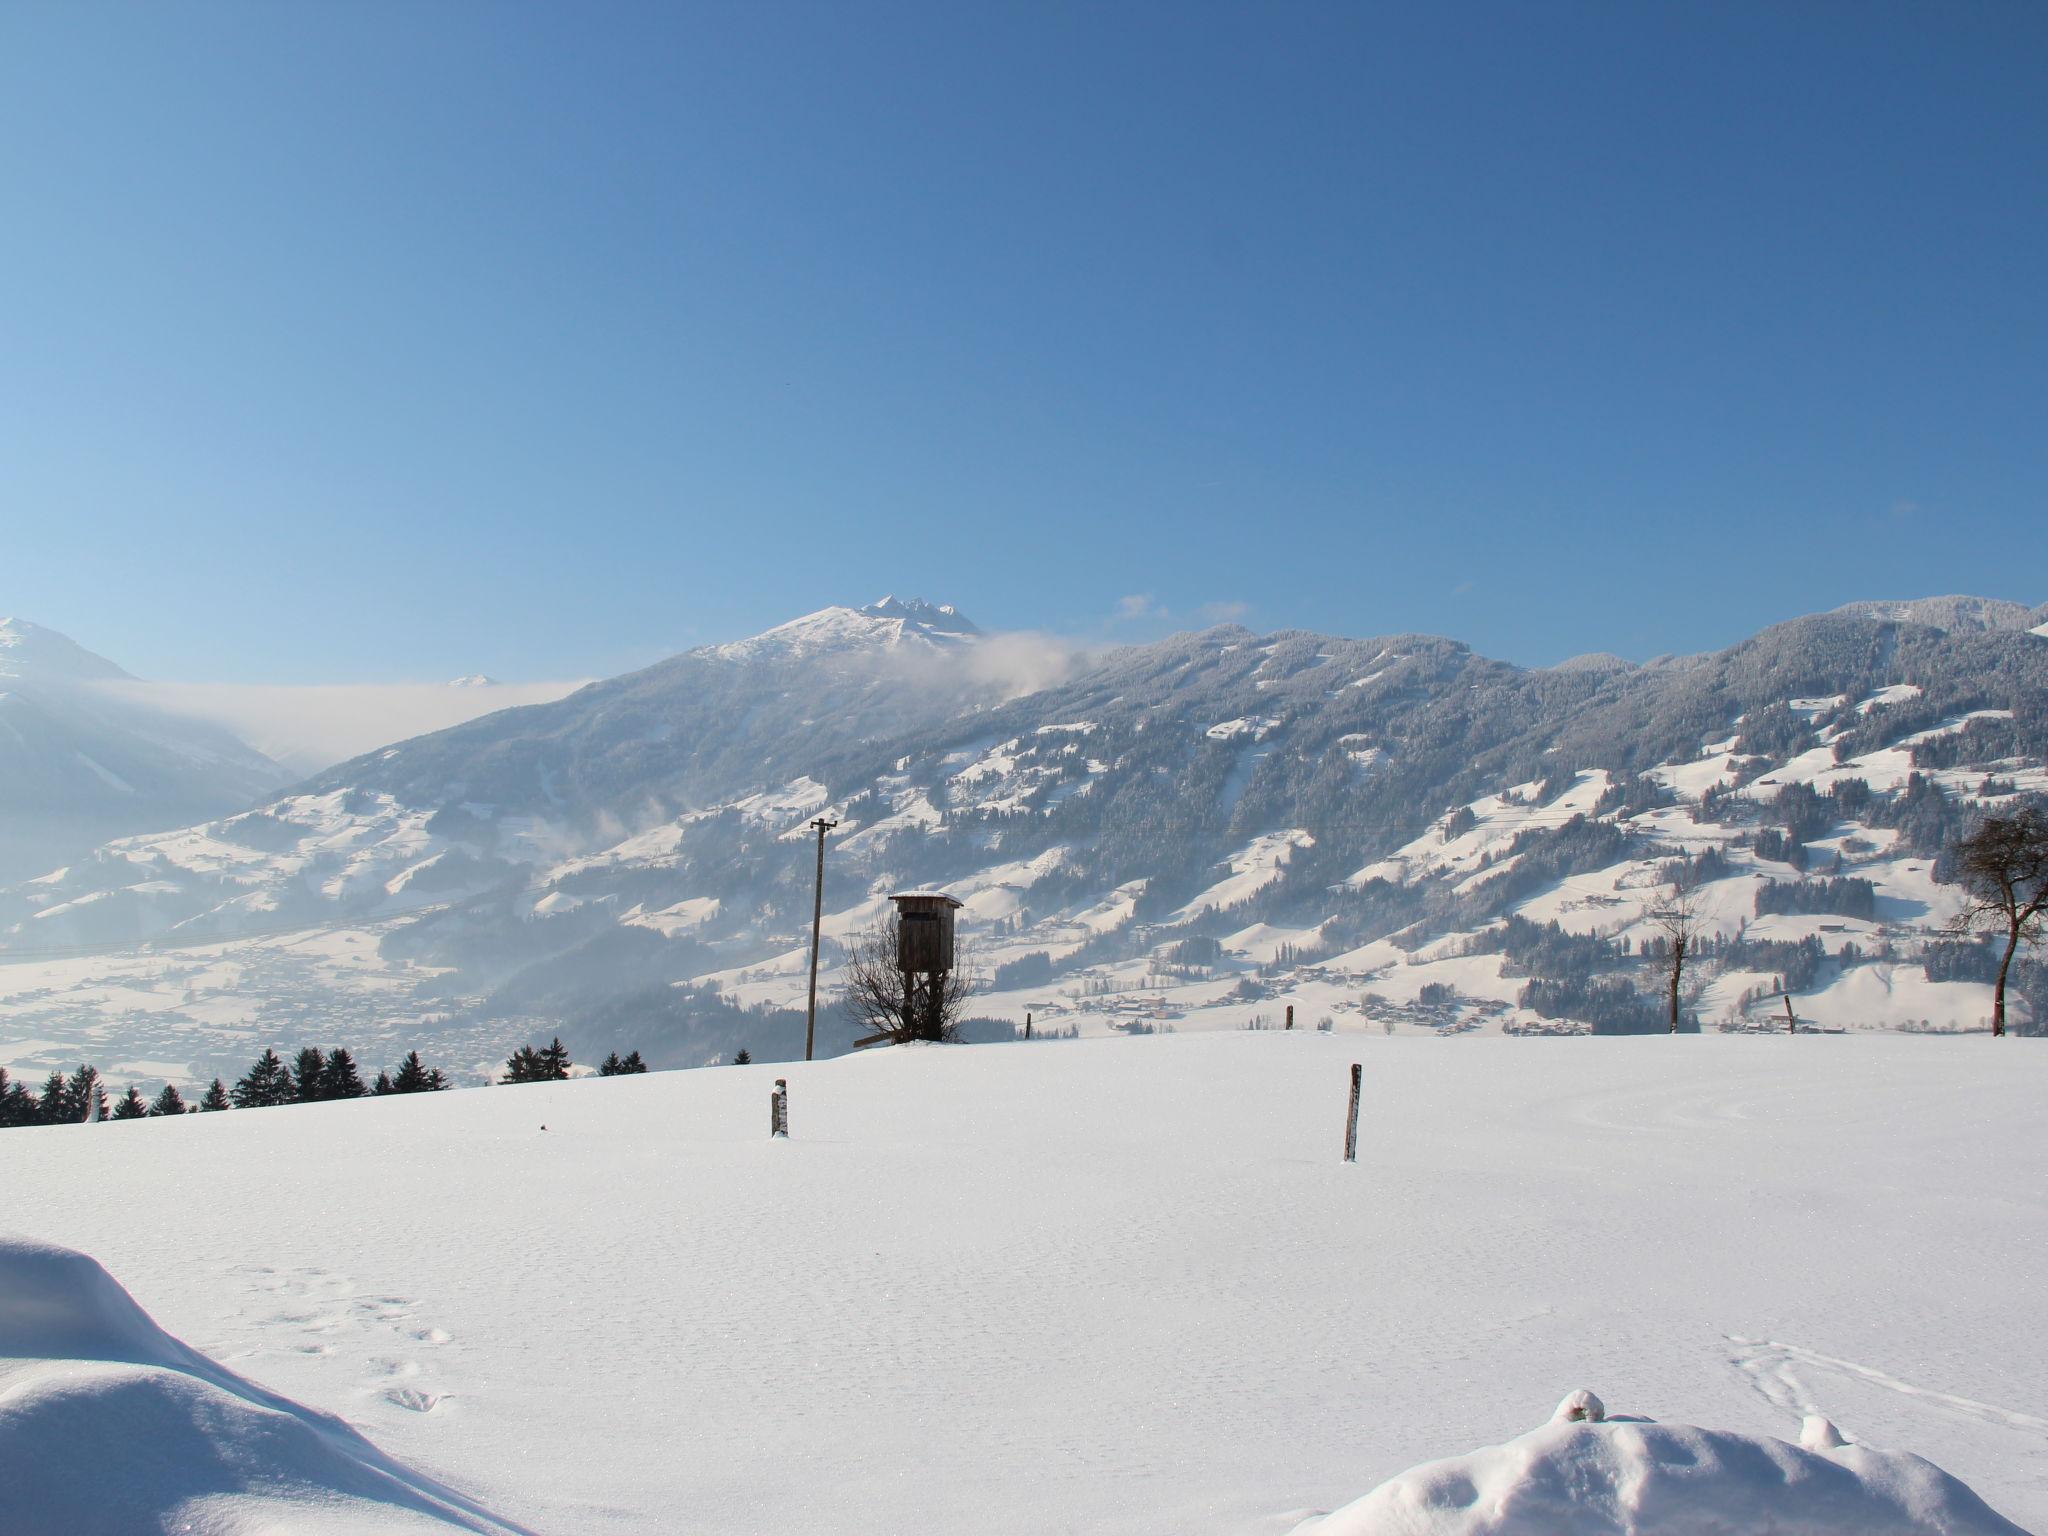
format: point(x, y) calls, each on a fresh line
point(924, 932)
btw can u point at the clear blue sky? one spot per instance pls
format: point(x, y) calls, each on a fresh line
point(367, 341)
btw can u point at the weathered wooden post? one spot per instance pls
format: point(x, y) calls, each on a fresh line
point(1290, 1015)
point(1351, 1119)
point(778, 1108)
point(1027, 1026)
point(1791, 1019)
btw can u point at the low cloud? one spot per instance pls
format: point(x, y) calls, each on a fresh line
point(1014, 662)
point(1135, 606)
point(1024, 661)
point(310, 727)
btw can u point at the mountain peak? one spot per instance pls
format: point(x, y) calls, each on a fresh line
point(38, 655)
point(881, 626)
point(935, 618)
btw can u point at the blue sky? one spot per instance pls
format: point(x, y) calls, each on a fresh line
point(365, 342)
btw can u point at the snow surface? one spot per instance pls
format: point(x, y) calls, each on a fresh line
point(1579, 1477)
point(109, 1424)
point(1108, 1286)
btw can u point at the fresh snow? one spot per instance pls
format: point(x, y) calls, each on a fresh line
point(1579, 1476)
point(109, 1424)
point(1098, 1287)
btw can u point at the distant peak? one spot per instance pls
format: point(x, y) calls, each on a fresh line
point(881, 626)
point(474, 680)
point(35, 654)
point(943, 618)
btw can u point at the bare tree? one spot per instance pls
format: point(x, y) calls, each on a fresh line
point(1679, 920)
point(888, 1002)
point(2004, 867)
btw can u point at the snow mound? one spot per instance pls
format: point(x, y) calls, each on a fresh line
point(107, 1423)
point(1584, 1475)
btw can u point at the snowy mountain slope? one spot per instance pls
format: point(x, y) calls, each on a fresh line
point(1957, 613)
point(80, 764)
point(696, 729)
point(1385, 833)
point(1109, 1286)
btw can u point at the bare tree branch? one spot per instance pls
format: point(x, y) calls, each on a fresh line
point(881, 999)
point(1680, 921)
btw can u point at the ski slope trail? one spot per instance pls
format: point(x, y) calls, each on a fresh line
point(1119, 1286)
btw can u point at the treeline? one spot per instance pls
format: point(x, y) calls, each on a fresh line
point(313, 1076)
point(550, 1063)
point(1842, 896)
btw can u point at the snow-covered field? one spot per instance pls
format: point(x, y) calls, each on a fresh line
point(1101, 1286)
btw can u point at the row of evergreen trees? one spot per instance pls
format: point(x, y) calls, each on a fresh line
point(550, 1063)
point(81, 1096)
point(317, 1076)
point(313, 1076)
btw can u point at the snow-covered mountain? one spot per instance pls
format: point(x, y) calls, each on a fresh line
point(80, 763)
point(882, 626)
point(1393, 832)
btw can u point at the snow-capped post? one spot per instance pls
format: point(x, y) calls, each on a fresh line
point(778, 1108)
point(1351, 1119)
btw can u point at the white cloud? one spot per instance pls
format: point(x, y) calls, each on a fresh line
point(1226, 612)
point(1137, 605)
point(310, 727)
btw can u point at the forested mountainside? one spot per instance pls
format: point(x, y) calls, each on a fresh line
point(1393, 832)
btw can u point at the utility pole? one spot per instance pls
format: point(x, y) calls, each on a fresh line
point(821, 826)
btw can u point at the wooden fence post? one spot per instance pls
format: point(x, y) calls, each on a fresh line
point(1351, 1119)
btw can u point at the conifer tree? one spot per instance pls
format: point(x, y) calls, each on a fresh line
point(267, 1083)
point(413, 1076)
point(632, 1063)
point(88, 1094)
point(742, 1057)
point(17, 1104)
point(217, 1096)
point(309, 1075)
point(132, 1105)
point(54, 1107)
point(340, 1080)
point(611, 1066)
point(383, 1085)
point(170, 1101)
point(524, 1066)
point(554, 1059)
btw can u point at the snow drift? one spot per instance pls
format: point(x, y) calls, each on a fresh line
point(107, 1423)
point(1581, 1475)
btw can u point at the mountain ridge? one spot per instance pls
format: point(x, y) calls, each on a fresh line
point(1256, 815)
